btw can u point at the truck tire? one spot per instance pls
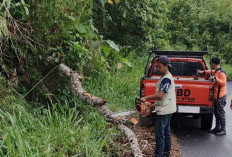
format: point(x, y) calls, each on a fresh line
point(147, 121)
point(206, 121)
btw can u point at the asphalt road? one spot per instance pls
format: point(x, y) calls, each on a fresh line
point(197, 143)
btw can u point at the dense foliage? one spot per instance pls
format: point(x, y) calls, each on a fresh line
point(168, 24)
point(104, 40)
point(83, 33)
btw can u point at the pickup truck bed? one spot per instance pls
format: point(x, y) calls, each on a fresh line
point(194, 94)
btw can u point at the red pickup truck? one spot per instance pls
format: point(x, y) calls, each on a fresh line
point(194, 94)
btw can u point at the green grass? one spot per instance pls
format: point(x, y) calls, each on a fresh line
point(121, 86)
point(68, 129)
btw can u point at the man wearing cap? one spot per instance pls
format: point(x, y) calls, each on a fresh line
point(219, 96)
point(165, 105)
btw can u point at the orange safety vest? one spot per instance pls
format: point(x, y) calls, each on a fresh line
point(220, 82)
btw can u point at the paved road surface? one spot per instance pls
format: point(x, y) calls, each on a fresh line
point(197, 143)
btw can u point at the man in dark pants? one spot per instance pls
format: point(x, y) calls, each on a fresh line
point(219, 96)
point(165, 105)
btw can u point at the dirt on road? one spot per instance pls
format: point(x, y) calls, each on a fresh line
point(146, 139)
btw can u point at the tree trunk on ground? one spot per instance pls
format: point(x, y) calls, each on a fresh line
point(101, 106)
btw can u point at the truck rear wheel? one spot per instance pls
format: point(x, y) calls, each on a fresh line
point(206, 121)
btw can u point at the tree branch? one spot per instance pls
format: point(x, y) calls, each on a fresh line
point(101, 105)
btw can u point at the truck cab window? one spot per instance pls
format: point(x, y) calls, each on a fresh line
point(182, 68)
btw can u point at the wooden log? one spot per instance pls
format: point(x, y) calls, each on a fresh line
point(101, 105)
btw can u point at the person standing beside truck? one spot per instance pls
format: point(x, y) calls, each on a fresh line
point(165, 105)
point(219, 95)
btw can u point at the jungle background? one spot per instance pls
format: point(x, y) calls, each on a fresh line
point(107, 42)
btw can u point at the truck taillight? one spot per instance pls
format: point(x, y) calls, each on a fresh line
point(211, 93)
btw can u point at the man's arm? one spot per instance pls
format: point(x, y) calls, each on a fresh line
point(159, 95)
point(207, 72)
point(165, 84)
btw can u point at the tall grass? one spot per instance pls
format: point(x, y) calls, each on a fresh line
point(68, 129)
point(120, 86)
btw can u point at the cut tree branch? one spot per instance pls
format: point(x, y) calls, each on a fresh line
point(101, 105)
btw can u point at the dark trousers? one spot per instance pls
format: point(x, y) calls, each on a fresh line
point(163, 135)
point(219, 113)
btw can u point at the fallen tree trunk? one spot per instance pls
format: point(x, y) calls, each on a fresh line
point(101, 106)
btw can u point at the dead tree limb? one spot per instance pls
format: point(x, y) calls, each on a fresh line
point(101, 106)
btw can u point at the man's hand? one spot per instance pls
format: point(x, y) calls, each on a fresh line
point(143, 99)
point(211, 78)
point(200, 71)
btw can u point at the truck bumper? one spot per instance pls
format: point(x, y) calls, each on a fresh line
point(194, 110)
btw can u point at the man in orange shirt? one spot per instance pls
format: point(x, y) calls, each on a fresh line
point(219, 96)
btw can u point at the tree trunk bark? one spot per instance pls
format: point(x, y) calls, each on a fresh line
point(101, 106)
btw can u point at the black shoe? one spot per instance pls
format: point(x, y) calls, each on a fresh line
point(214, 131)
point(166, 154)
point(221, 133)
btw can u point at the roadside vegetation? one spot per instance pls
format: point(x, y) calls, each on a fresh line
point(121, 85)
point(59, 129)
point(107, 42)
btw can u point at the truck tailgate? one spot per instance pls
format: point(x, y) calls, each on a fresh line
point(188, 92)
point(194, 93)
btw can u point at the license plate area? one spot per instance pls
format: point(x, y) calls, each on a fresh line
point(188, 109)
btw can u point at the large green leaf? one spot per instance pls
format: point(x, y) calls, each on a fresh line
point(113, 45)
point(129, 64)
point(25, 7)
point(80, 27)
